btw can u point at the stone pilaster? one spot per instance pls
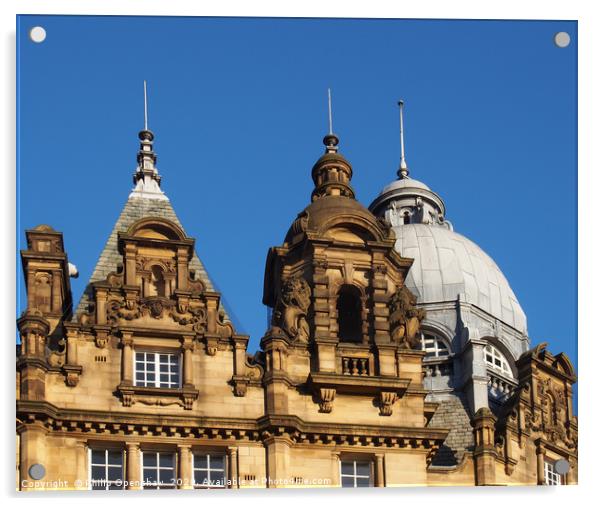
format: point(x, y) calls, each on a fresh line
point(133, 469)
point(484, 452)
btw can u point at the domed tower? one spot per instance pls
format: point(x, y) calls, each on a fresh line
point(340, 349)
point(474, 329)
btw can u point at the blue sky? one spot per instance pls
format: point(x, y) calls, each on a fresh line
point(238, 107)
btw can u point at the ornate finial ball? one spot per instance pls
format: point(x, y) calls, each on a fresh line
point(146, 135)
point(331, 140)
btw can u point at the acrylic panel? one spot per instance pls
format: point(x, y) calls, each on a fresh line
point(268, 252)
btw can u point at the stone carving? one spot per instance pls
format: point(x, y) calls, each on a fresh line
point(326, 399)
point(158, 308)
point(386, 401)
point(404, 317)
point(56, 358)
point(300, 224)
point(290, 314)
point(144, 264)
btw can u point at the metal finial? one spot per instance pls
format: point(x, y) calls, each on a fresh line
point(329, 112)
point(403, 168)
point(330, 140)
point(145, 108)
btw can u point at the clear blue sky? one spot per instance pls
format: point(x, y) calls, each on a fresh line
point(238, 107)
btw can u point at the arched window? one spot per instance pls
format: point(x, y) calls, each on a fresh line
point(406, 218)
point(157, 283)
point(349, 310)
point(434, 346)
point(496, 361)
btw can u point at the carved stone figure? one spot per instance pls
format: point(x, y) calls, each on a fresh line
point(404, 317)
point(291, 312)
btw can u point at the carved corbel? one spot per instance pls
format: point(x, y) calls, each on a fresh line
point(386, 401)
point(240, 385)
point(72, 374)
point(326, 399)
point(101, 338)
point(211, 345)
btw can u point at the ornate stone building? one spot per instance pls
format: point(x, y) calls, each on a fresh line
point(397, 355)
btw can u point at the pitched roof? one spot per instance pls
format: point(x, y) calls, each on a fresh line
point(135, 208)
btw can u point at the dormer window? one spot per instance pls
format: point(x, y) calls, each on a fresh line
point(349, 314)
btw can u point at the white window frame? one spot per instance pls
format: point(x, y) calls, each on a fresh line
point(355, 476)
point(158, 467)
point(207, 457)
point(439, 345)
point(551, 476)
point(106, 466)
point(157, 362)
point(491, 354)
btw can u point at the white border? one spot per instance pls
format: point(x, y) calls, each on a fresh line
point(590, 183)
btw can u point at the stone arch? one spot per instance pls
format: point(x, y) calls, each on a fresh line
point(156, 228)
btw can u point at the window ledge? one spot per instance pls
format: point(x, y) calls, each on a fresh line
point(151, 396)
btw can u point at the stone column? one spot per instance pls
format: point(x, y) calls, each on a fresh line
point(278, 460)
point(130, 264)
point(541, 474)
point(473, 360)
point(187, 347)
point(101, 306)
point(379, 470)
point(185, 467)
point(72, 336)
point(484, 452)
point(233, 467)
point(336, 469)
point(32, 450)
point(81, 462)
point(182, 269)
point(127, 358)
point(133, 470)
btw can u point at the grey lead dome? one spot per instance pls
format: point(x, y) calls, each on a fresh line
point(448, 265)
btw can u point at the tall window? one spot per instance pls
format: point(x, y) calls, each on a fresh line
point(552, 477)
point(106, 469)
point(434, 346)
point(497, 361)
point(349, 309)
point(356, 473)
point(158, 470)
point(159, 370)
point(209, 471)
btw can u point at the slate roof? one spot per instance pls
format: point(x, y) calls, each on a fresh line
point(136, 208)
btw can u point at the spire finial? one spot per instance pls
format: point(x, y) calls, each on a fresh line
point(145, 108)
point(329, 112)
point(146, 177)
point(331, 140)
point(403, 171)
